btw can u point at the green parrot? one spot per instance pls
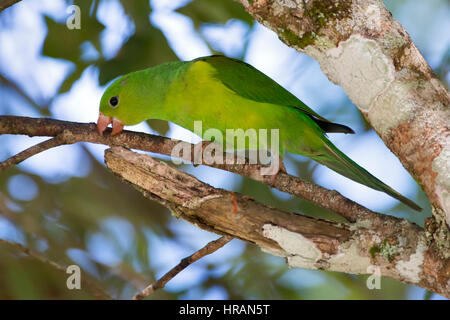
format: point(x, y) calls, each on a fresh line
point(226, 93)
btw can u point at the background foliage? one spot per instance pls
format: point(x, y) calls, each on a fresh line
point(67, 206)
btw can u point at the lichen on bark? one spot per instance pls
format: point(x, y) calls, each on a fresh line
point(362, 48)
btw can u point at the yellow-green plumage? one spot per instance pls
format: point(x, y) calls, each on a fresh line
point(225, 94)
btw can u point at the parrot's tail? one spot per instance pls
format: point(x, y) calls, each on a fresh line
point(339, 162)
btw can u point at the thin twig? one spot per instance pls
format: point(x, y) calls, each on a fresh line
point(7, 3)
point(210, 248)
point(95, 289)
point(6, 82)
point(33, 150)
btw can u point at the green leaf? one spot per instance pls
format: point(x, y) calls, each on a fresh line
point(68, 82)
point(63, 43)
point(215, 11)
point(141, 51)
point(428, 295)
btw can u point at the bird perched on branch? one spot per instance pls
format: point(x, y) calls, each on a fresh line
point(226, 93)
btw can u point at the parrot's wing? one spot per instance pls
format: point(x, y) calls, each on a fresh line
point(251, 83)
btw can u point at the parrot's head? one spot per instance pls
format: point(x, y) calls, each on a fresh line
point(119, 105)
point(136, 97)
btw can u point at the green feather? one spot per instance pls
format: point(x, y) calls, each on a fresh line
point(226, 93)
point(252, 84)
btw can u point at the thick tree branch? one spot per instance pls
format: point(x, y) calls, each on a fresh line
point(396, 247)
point(210, 248)
point(369, 54)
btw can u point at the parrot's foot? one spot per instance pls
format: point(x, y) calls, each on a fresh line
point(279, 168)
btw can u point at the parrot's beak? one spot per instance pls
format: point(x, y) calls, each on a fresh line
point(103, 122)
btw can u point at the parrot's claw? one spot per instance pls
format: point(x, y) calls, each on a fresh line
point(103, 122)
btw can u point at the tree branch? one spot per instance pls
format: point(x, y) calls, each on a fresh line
point(77, 132)
point(210, 248)
point(360, 47)
point(399, 248)
point(7, 3)
point(64, 138)
point(396, 247)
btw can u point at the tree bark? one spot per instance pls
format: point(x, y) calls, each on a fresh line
point(7, 3)
point(369, 242)
point(362, 48)
point(390, 247)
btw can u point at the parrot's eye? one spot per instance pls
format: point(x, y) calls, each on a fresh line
point(114, 101)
